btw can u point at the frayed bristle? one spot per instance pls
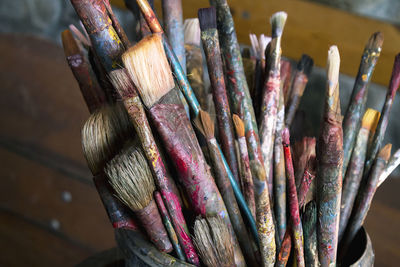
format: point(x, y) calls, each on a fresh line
point(370, 119)
point(104, 134)
point(384, 153)
point(122, 83)
point(131, 178)
point(148, 68)
point(207, 123)
point(305, 64)
point(286, 136)
point(239, 125)
point(333, 66)
point(69, 43)
point(375, 42)
point(278, 21)
point(213, 242)
point(192, 31)
point(207, 18)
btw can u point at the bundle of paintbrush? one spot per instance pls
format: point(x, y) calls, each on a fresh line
point(208, 175)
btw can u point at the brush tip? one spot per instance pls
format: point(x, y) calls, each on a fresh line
point(207, 18)
point(192, 31)
point(286, 136)
point(69, 43)
point(278, 21)
point(370, 119)
point(375, 42)
point(207, 123)
point(384, 153)
point(239, 125)
point(122, 83)
point(333, 63)
point(305, 64)
point(131, 178)
point(149, 69)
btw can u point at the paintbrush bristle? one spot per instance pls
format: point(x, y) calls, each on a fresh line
point(375, 42)
point(104, 134)
point(69, 43)
point(122, 83)
point(192, 31)
point(370, 119)
point(384, 153)
point(305, 64)
point(278, 21)
point(286, 136)
point(239, 125)
point(131, 178)
point(207, 18)
point(207, 123)
point(213, 242)
point(148, 68)
point(259, 45)
point(333, 66)
point(254, 44)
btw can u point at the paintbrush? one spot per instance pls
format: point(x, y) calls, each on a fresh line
point(330, 159)
point(102, 136)
point(258, 47)
point(352, 180)
point(383, 122)
point(286, 79)
point(209, 37)
point(173, 26)
point(131, 178)
point(294, 213)
point(279, 173)
point(356, 107)
point(165, 184)
point(213, 241)
point(83, 73)
point(392, 164)
point(206, 126)
point(148, 67)
point(194, 60)
point(284, 250)
point(246, 179)
point(364, 199)
point(310, 235)
point(304, 68)
point(168, 225)
point(104, 38)
point(270, 96)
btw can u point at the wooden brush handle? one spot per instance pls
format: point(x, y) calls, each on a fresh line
point(151, 222)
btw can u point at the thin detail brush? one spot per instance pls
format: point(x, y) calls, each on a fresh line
point(392, 164)
point(294, 215)
point(330, 160)
point(358, 99)
point(209, 37)
point(352, 180)
point(225, 188)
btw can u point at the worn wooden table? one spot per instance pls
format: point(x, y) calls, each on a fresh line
point(50, 214)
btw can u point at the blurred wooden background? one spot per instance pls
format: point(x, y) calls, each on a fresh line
point(50, 214)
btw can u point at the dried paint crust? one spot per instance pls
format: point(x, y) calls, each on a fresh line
point(182, 146)
point(215, 71)
point(310, 235)
point(163, 180)
point(352, 180)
